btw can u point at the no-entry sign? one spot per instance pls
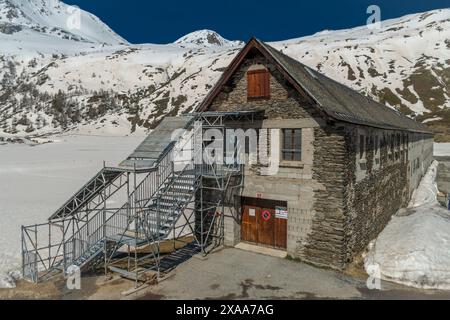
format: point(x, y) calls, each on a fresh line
point(266, 215)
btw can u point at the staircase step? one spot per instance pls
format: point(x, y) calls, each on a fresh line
point(163, 206)
point(167, 207)
point(174, 199)
point(181, 191)
point(175, 196)
point(141, 273)
point(153, 220)
point(188, 185)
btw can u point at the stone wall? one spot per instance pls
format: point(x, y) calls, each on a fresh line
point(443, 179)
point(420, 157)
point(380, 180)
point(325, 245)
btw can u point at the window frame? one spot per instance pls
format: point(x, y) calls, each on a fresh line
point(296, 145)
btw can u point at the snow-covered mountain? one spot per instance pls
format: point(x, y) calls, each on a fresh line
point(49, 26)
point(405, 64)
point(207, 38)
point(94, 81)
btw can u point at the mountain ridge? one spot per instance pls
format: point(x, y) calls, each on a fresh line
point(206, 38)
point(119, 87)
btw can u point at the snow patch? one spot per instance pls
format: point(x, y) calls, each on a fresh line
point(433, 119)
point(414, 249)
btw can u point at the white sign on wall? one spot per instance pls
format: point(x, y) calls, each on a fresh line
point(252, 212)
point(281, 213)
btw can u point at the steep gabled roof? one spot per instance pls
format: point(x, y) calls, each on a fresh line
point(333, 99)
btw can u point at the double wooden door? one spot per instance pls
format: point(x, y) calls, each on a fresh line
point(263, 224)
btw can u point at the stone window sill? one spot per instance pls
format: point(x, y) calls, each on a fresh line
point(292, 164)
point(253, 99)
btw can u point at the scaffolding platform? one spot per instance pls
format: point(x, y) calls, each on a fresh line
point(164, 198)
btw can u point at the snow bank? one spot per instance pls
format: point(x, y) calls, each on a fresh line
point(442, 149)
point(414, 249)
point(35, 181)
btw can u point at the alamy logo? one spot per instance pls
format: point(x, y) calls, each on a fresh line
point(232, 147)
point(74, 20)
point(374, 20)
point(374, 281)
point(73, 278)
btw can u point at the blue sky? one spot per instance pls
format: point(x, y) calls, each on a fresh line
point(143, 21)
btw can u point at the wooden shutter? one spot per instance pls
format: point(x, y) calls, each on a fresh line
point(258, 84)
point(252, 82)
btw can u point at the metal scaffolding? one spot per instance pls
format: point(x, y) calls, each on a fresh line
point(172, 209)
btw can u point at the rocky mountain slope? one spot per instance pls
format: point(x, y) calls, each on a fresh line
point(91, 80)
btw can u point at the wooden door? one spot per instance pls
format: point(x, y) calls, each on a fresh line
point(281, 232)
point(266, 227)
point(249, 228)
point(263, 224)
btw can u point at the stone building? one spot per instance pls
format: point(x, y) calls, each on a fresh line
point(347, 163)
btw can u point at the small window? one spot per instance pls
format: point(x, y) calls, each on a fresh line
point(377, 145)
point(258, 84)
point(292, 145)
point(392, 141)
point(362, 147)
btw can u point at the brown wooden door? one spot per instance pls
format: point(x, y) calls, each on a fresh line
point(260, 225)
point(266, 227)
point(249, 228)
point(280, 233)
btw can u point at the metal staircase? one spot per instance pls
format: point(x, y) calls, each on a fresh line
point(162, 192)
point(89, 233)
point(143, 220)
point(94, 255)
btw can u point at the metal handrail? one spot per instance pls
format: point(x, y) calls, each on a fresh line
point(147, 181)
point(91, 194)
point(142, 196)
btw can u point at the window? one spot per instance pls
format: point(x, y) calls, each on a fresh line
point(392, 143)
point(361, 146)
point(377, 145)
point(258, 84)
point(292, 145)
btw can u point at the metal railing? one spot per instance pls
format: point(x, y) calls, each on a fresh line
point(107, 180)
point(69, 239)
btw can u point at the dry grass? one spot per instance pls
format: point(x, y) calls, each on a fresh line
point(356, 268)
point(30, 291)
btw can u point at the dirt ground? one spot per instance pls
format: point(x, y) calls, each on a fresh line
point(229, 274)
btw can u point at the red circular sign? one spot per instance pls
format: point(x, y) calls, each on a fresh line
point(266, 215)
